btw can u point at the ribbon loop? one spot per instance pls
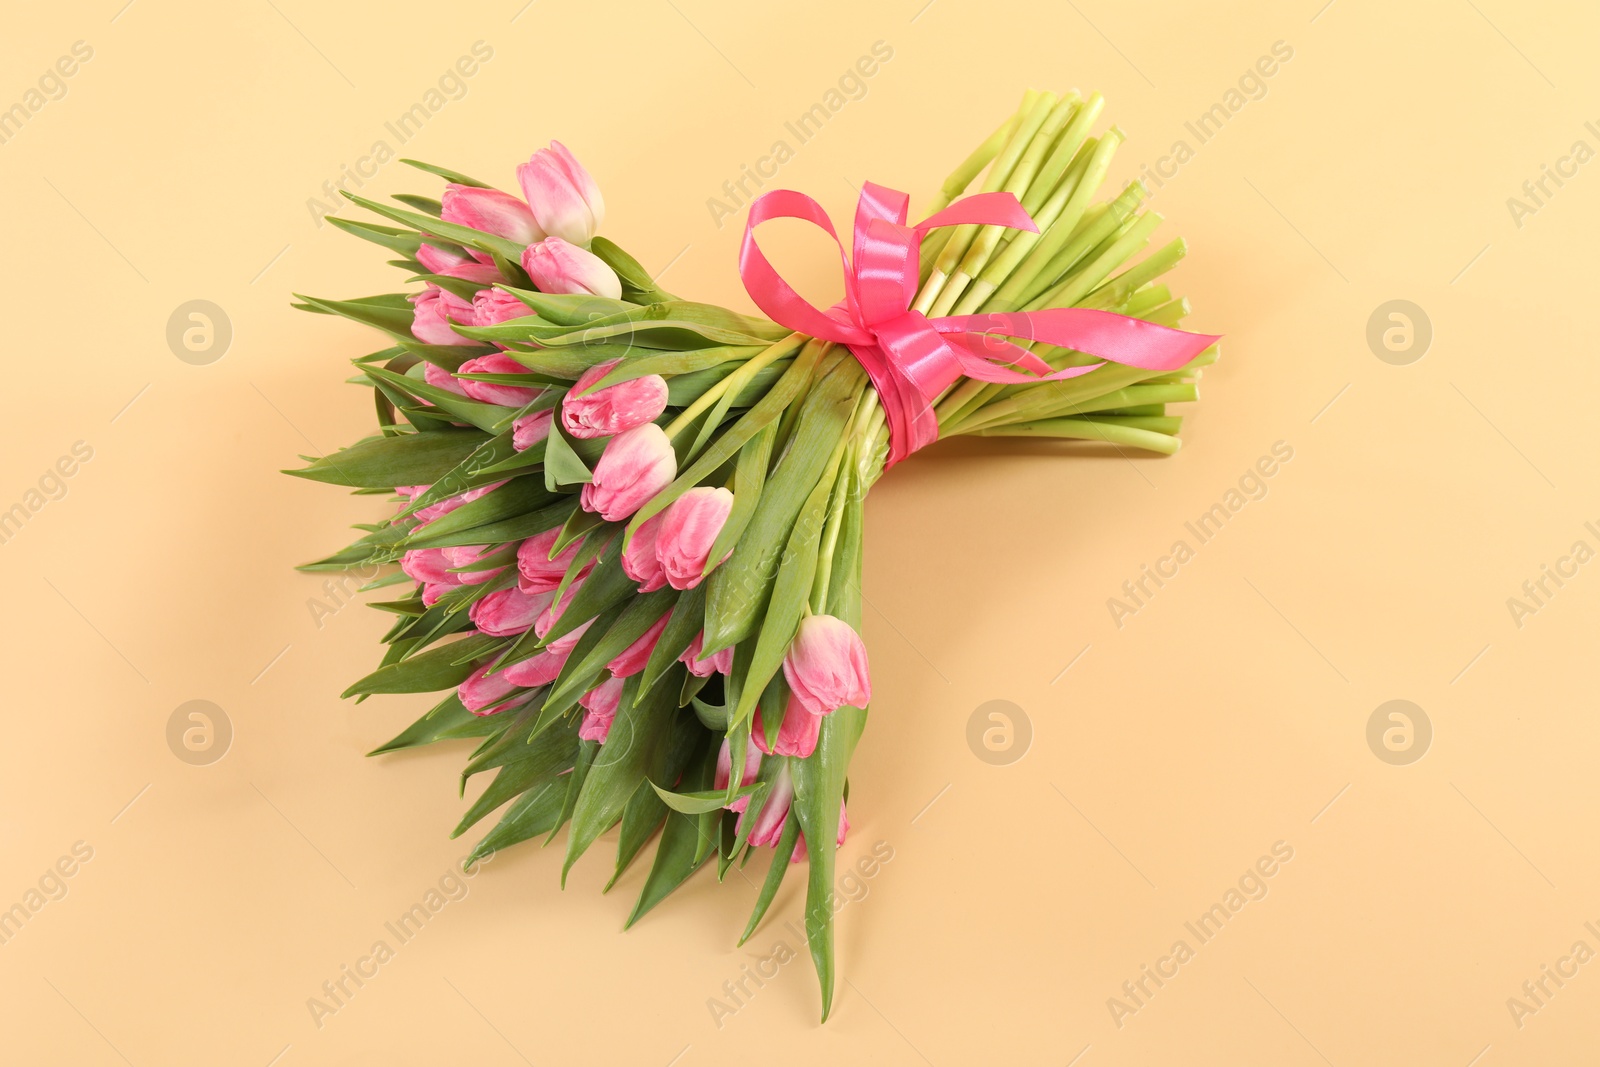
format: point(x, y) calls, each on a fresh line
point(910, 358)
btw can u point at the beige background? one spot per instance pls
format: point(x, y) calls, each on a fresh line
point(1167, 755)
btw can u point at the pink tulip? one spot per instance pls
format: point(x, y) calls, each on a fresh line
point(769, 820)
point(432, 591)
point(511, 396)
point(615, 408)
point(490, 211)
point(437, 260)
point(800, 842)
point(558, 267)
point(639, 558)
point(539, 669)
point(827, 665)
point(440, 378)
point(635, 466)
point(478, 273)
point(689, 528)
point(428, 565)
point(565, 199)
point(528, 430)
point(601, 704)
point(717, 663)
point(538, 572)
point(463, 556)
point(482, 689)
point(632, 660)
point(507, 612)
point(796, 737)
point(491, 307)
point(724, 773)
point(552, 614)
point(433, 312)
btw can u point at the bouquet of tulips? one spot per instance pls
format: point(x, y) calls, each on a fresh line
point(629, 527)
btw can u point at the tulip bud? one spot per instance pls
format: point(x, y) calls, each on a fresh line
point(508, 612)
point(632, 660)
point(566, 201)
point(463, 556)
point(428, 565)
point(552, 614)
point(491, 307)
point(479, 273)
point(600, 704)
point(724, 773)
point(539, 669)
point(432, 313)
point(689, 528)
point(440, 378)
point(827, 665)
point(490, 211)
point(615, 408)
point(538, 573)
point(635, 466)
point(482, 689)
point(437, 260)
point(558, 267)
point(511, 396)
point(717, 663)
point(432, 591)
point(796, 737)
point(528, 430)
point(639, 558)
point(769, 820)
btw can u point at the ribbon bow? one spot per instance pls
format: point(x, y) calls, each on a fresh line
point(910, 358)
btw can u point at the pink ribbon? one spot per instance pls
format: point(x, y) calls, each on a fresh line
point(911, 358)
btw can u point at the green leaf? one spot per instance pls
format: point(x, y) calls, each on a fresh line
point(587, 751)
point(444, 172)
point(748, 477)
point(790, 593)
point(568, 309)
point(448, 720)
point(405, 242)
point(780, 867)
point(634, 277)
point(631, 747)
point(404, 459)
point(552, 753)
point(390, 313)
point(440, 668)
point(491, 418)
point(820, 779)
point(535, 812)
point(461, 235)
point(702, 801)
point(561, 464)
point(425, 204)
point(645, 811)
point(687, 841)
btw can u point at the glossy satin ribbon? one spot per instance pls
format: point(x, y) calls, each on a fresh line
point(911, 358)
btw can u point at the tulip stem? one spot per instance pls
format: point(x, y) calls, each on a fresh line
point(735, 381)
point(866, 406)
